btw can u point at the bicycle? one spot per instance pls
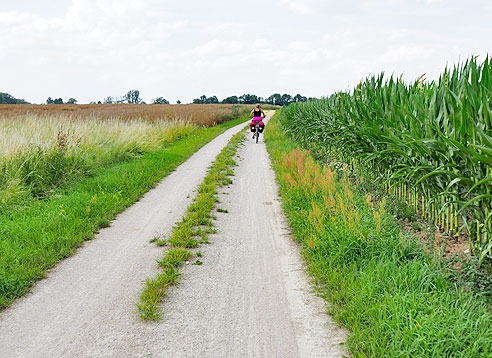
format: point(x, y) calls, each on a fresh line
point(257, 128)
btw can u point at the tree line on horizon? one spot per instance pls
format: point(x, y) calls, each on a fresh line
point(133, 96)
point(275, 99)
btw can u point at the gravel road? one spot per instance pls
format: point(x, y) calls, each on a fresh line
point(249, 298)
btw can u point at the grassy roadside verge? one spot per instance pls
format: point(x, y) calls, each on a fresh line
point(191, 231)
point(396, 299)
point(39, 234)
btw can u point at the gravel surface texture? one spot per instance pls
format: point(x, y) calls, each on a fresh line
point(249, 298)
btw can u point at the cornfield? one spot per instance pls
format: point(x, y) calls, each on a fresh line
point(429, 143)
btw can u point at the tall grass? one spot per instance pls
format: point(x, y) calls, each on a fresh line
point(427, 143)
point(198, 114)
point(73, 136)
point(38, 154)
point(44, 146)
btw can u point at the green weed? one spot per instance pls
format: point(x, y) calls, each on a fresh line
point(396, 299)
point(192, 230)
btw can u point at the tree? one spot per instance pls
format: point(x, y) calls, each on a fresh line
point(133, 96)
point(231, 100)
point(275, 99)
point(212, 99)
point(72, 101)
point(299, 98)
point(50, 101)
point(108, 99)
point(248, 99)
point(286, 99)
point(201, 100)
point(6, 98)
point(58, 101)
point(178, 102)
point(160, 100)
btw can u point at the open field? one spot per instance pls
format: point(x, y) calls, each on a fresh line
point(62, 178)
point(44, 146)
point(198, 114)
point(429, 144)
point(395, 298)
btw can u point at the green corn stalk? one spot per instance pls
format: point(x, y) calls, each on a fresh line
point(429, 137)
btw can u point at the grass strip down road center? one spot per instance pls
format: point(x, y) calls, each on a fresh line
point(190, 231)
point(35, 237)
point(396, 299)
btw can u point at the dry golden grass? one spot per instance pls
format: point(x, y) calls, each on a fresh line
point(24, 133)
point(44, 141)
point(198, 114)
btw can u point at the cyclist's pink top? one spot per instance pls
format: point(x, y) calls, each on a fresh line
point(257, 118)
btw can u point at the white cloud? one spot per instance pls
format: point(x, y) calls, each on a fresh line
point(13, 18)
point(219, 47)
point(260, 43)
point(404, 54)
point(180, 50)
point(302, 6)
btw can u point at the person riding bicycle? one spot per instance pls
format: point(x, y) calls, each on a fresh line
point(257, 114)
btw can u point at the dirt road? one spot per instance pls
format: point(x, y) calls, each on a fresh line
point(249, 298)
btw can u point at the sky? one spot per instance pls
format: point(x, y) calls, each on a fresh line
point(182, 49)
